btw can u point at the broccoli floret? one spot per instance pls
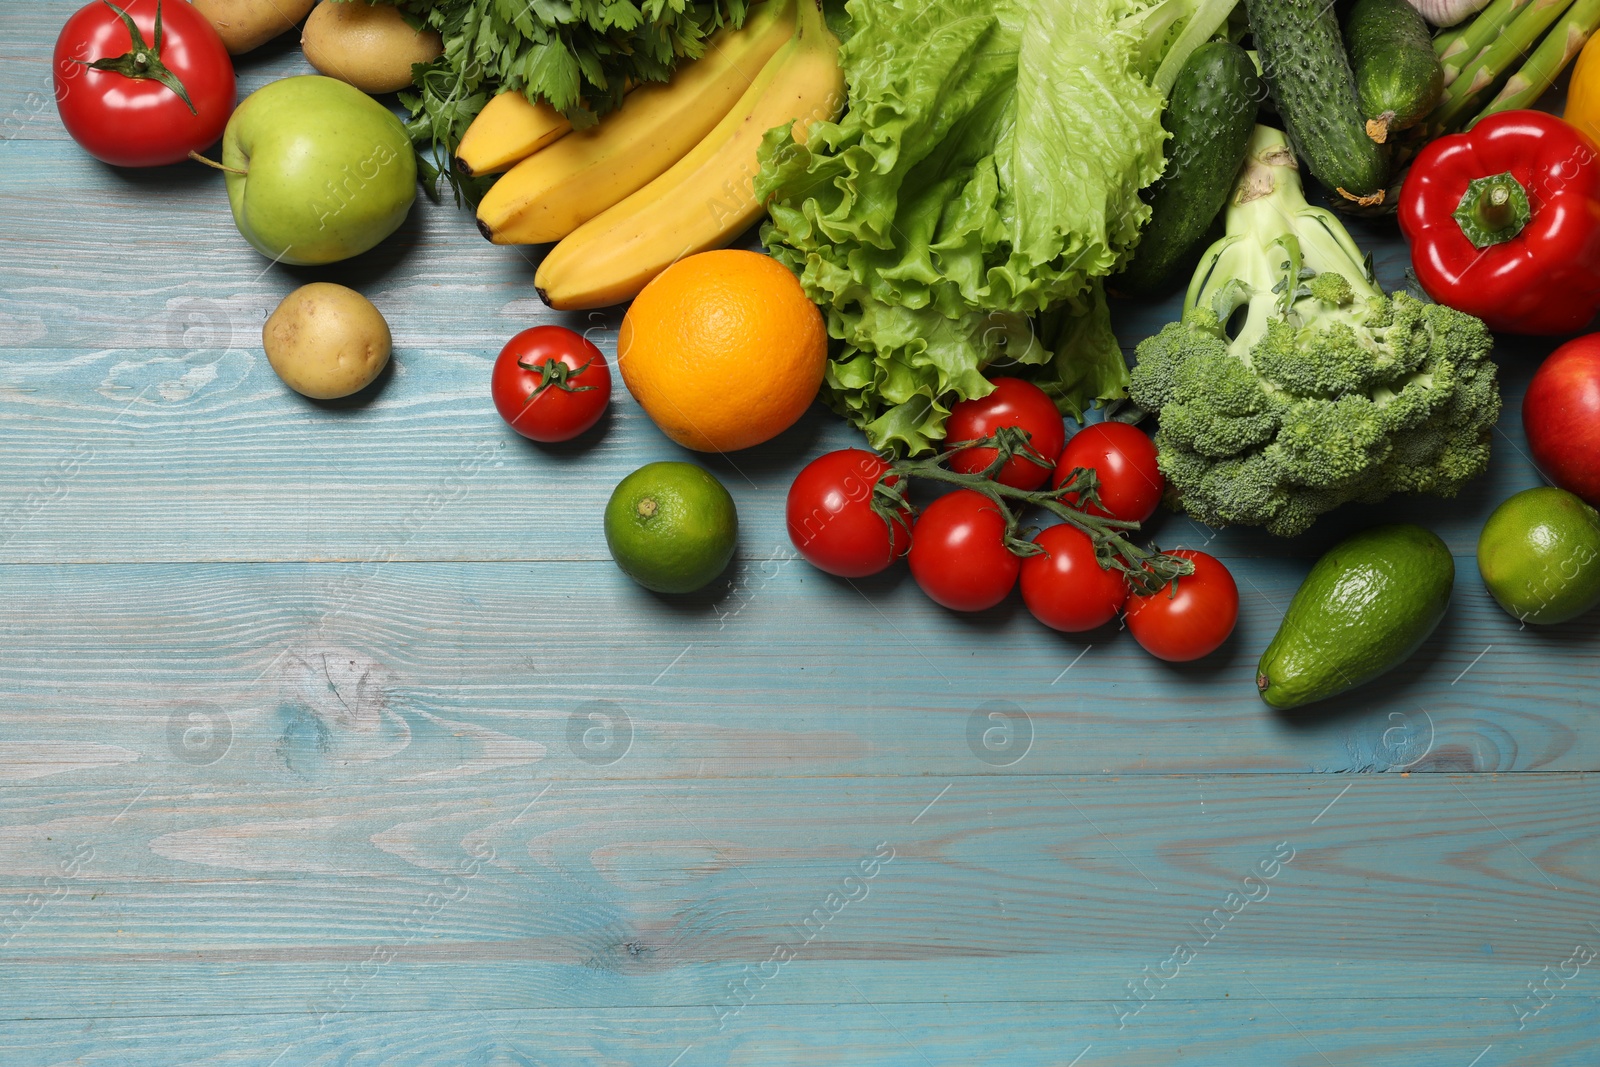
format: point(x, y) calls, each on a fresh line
point(1293, 384)
point(1331, 288)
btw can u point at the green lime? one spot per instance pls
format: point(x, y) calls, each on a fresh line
point(671, 527)
point(1539, 554)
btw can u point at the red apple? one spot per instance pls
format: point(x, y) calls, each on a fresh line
point(1561, 415)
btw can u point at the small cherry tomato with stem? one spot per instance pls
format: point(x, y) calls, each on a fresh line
point(1124, 458)
point(144, 84)
point(832, 521)
point(1191, 621)
point(1065, 587)
point(550, 384)
point(954, 520)
point(959, 552)
point(1016, 403)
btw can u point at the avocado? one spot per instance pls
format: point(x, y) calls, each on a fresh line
point(1366, 606)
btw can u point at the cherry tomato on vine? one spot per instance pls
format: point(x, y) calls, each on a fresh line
point(1124, 457)
point(1065, 587)
point(958, 552)
point(144, 84)
point(550, 384)
point(831, 520)
point(1194, 621)
point(1014, 402)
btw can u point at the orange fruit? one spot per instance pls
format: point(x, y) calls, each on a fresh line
point(723, 350)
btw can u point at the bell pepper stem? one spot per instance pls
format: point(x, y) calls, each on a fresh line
point(1493, 210)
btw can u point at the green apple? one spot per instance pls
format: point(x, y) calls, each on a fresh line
point(318, 171)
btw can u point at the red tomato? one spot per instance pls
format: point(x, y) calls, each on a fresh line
point(1194, 621)
point(958, 552)
point(550, 384)
point(1065, 587)
point(1014, 402)
point(132, 111)
point(1561, 414)
point(1125, 459)
point(831, 520)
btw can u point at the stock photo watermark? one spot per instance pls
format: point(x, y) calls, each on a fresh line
point(599, 733)
point(199, 733)
point(999, 733)
point(1552, 980)
point(853, 889)
point(1253, 888)
point(345, 987)
point(49, 489)
point(349, 187)
point(55, 887)
point(748, 584)
point(451, 488)
point(38, 102)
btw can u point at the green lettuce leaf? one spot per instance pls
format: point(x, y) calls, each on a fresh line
point(987, 172)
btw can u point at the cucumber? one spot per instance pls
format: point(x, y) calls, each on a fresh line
point(1398, 76)
point(1309, 76)
point(1210, 116)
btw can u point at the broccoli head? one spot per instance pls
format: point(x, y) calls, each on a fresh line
point(1293, 384)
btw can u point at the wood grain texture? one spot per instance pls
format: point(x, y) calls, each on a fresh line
point(416, 669)
point(329, 734)
point(510, 893)
point(856, 1030)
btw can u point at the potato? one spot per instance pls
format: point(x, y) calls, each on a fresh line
point(368, 45)
point(326, 341)
point(248, 24)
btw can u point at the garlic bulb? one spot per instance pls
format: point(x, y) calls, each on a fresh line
point(1448, 12)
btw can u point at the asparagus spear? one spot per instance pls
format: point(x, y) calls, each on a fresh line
point(1565, 41)
point(1460, 46)
point(1494, 61)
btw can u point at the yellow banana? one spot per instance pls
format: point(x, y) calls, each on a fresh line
point(708, 198)
point(509, 129)
point(553, 192)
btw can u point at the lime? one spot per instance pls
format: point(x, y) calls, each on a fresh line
point(1539, 554)
point(671, 527)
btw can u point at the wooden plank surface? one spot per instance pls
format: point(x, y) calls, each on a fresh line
point(785, 672)
point(331, 735)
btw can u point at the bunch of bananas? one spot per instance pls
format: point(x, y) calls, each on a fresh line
point(668, 174)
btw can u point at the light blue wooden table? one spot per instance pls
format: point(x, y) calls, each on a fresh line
point(330, 735)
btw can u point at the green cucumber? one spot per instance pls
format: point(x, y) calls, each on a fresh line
point(1210, 116)
point(1398, 76)
point(1309, 75)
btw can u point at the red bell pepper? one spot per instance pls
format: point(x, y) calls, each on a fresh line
point(1504, 223)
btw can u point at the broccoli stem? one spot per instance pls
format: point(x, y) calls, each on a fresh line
point(1274, 237)
point(1467, 89)
point(1565, 40)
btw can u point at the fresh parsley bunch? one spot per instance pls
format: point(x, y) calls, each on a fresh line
point(579, 55)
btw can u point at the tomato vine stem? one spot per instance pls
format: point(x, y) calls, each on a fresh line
point(1147, 569)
